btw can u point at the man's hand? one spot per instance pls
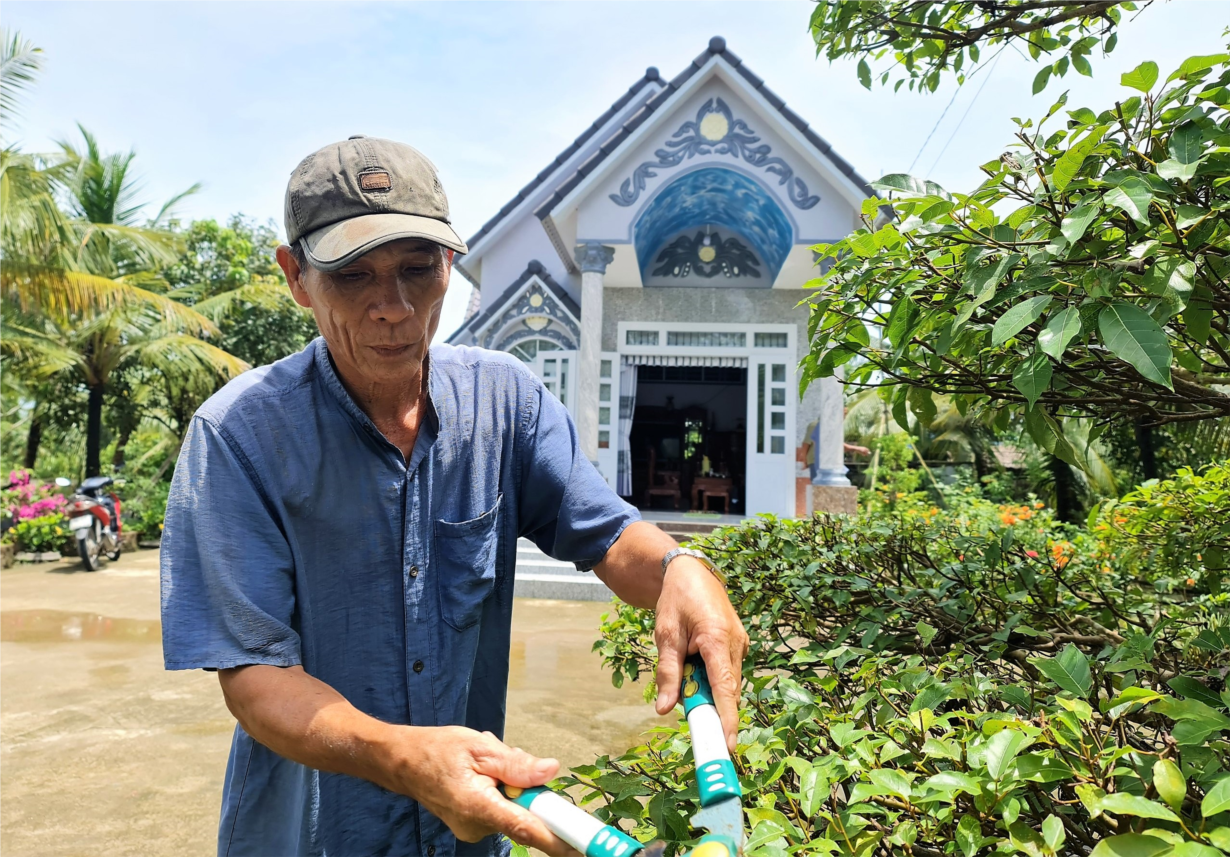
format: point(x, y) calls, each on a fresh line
point(453, 772)
point(693, 616)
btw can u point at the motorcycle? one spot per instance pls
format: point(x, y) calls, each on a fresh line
point(94, 518)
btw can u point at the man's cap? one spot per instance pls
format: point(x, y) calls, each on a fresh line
point(351, 197)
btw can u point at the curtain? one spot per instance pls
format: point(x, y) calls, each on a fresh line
point(627, 406)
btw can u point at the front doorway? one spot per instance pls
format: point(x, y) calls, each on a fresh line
point(688, 442)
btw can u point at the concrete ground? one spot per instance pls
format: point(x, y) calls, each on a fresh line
point(103, 751)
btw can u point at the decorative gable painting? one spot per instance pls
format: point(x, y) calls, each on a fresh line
point(651, 277)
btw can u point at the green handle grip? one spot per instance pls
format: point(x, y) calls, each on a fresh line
point(572, 824)
point(696, 690)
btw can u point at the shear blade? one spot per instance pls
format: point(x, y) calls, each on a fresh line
point(724, 817)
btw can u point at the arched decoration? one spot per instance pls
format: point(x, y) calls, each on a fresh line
point(715, 200)
point(527, 349)
point(536, 312)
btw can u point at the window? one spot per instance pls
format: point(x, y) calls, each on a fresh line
point(777, 445)
point(779, 373)
point(779, 397)
point(604, 416)
point(604, 392)
point(706, 340)
point(605, 369)
point(528, 349)
point(778, 421)
point(771, 340)
point(641, 337)
point(604, 440)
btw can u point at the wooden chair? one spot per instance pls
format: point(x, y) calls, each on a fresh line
point(668, 487)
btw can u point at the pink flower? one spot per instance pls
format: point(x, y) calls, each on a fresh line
point(1031, 554)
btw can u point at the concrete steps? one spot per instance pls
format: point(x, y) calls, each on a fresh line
point(539, 576)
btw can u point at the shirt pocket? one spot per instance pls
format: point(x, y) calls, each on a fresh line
point(466, 555)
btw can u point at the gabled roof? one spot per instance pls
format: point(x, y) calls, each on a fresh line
point(717, 47)
point(533, 269)
point(651, 75)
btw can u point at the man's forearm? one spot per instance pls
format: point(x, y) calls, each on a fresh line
point(632, 568)
point(307, 721)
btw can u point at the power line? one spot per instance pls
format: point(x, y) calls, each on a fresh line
point(961, 121)
point(934, 127)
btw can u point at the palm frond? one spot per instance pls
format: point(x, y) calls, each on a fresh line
point(187, 360)
point(267, 295)
point(20, 63)
point(170, 204)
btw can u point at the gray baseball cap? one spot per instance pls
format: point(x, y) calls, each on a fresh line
point(351, 197)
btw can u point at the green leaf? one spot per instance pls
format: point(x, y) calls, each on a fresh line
point(1033, 376)
point(1187, 143)
point(1041, 79)
point(1198, 316)
point(953, 781)
point(1130, 845)
point(1173, 170)
point(1059, 330)
point(1121, 803)
point(1188, 688)
point(1077, 221)
point(1220, 837)
point(1142, 77)
point(922, 405)
point(1017, 318)
point(1169, 783)
point(1069, 670)
point(1048, 434)
point(926, 632)
point(1070, 162)
point(1133, 196)
point(1053, 833)
point(907, 183)
point(1002, 749)
point(864, 74)
point(1134, 337)
point(969, 835)
point(1191, 65)
point(1217, 799)
point(1081, 64)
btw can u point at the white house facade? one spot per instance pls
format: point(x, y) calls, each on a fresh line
point(651, 276)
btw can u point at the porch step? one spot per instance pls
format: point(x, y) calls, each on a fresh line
point(540, 576)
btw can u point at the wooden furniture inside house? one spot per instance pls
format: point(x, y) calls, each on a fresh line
point(705, 488)
point(662, 483)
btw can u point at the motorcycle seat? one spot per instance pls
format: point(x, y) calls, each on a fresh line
point(95, 483)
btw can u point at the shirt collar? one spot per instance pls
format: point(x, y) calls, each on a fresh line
point(427, 430)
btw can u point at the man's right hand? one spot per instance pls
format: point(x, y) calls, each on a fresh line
point(453, 772)
point(450, 770)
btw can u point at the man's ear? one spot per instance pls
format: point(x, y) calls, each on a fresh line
point(294, 276)
point(449, 254)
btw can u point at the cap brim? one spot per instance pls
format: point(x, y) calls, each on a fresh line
point(337, 245)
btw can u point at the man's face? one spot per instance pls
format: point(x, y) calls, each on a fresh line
point(379, 313)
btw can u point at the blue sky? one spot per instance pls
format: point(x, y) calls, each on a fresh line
point(234, 95)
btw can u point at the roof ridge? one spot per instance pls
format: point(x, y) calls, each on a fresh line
point(717, 47)
point(651, 74)
point(533, 268)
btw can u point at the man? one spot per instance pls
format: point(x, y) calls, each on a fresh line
point(341, 537)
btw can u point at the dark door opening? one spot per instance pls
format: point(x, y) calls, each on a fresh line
point(688, 438)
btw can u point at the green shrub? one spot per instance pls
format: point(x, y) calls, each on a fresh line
point(145, 507)
point(1176, 532)
point(966, 681)
point(45, 533)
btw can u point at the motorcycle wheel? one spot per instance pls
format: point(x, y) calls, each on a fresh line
point(90, 548)
point(115, 554)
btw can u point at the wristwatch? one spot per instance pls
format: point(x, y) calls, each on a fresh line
point(695, 554)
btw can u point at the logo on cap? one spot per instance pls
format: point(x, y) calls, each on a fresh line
point(376, 180)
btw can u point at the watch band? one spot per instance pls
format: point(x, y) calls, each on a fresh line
point(695, 554)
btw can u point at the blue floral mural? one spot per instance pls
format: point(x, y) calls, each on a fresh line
point(715, 196)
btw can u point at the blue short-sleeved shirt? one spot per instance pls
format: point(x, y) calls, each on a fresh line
point(296, 534)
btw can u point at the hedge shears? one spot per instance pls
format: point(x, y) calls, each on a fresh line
point(721, 811)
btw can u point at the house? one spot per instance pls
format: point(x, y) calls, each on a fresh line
point(651, 276)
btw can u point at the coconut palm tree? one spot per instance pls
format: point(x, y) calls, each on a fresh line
point(92, 350)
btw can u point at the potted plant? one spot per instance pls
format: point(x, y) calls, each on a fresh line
point(39, 539)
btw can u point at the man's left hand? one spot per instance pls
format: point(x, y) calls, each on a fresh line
point(694, 616)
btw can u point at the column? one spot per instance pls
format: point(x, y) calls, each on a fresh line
point(831, 490)
point(593, 257)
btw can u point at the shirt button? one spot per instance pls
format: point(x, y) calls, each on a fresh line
point(418, 666)
point(431, 851)
point(414, 571)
